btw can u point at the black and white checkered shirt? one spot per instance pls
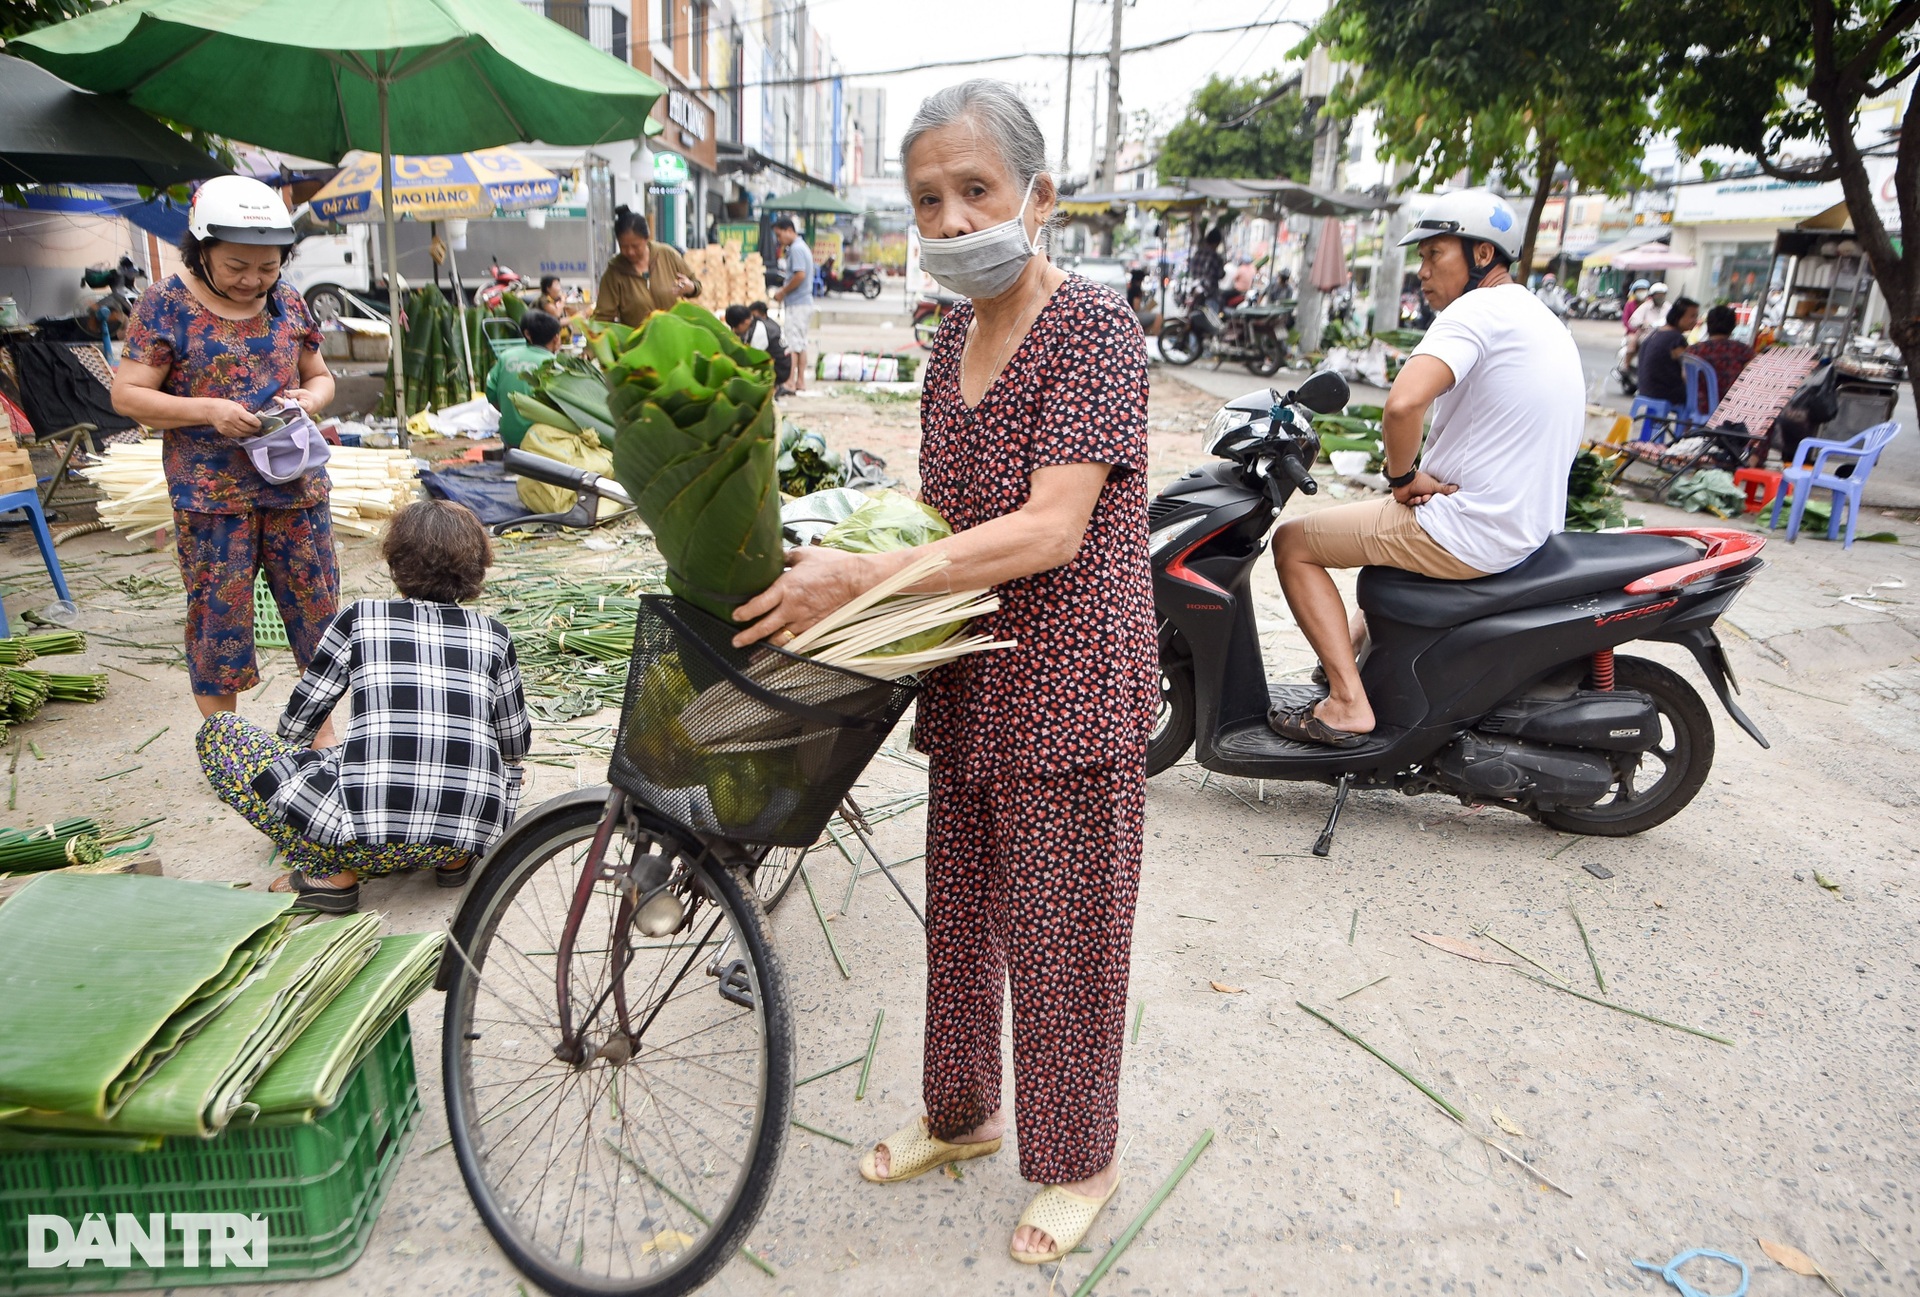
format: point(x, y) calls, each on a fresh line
point(438, 715)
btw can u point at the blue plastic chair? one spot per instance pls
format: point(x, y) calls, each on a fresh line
point(1653, 419)
point(30, 501)
point(1801, 480)
point(1703, 390)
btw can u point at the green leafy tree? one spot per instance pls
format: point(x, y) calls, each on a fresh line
point(1258, 128)
point(1783, 82)
point(1517, 91)
point(18, 17)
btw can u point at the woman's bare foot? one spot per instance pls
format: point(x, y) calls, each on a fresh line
point(992, 1128)
point(344, 879)
point(1034, 1241)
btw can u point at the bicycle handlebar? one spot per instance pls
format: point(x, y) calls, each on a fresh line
point(524, 463)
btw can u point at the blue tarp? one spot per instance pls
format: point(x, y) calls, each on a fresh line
point(159, 216)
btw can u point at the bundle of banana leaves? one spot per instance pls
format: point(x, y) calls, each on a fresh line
point(693, 409)
point(436, 367)
point(1592, 504)
point(206, 1084)
point(104, 977)
point(306, 1079)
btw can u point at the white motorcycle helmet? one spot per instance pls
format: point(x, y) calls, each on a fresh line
point(1473, 215)
point(1659, 289)
point(239, 209)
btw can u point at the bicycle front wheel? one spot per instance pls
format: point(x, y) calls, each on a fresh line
point(639, 1169)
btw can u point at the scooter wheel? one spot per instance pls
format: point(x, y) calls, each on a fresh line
point(1173, 727)
point(1662, 782)
point(1178, 345)
point(869, 287)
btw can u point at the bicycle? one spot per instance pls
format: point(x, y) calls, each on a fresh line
point(618, 1045)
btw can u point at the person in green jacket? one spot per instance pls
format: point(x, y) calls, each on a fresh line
point(541, 334)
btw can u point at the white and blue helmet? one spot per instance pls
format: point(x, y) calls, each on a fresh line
point(1469, 214)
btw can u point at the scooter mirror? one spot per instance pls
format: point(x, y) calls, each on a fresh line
point(1323, 393)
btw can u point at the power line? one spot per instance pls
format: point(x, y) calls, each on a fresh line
point(1008, 58)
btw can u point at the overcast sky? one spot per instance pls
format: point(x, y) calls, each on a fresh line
point(875, 34)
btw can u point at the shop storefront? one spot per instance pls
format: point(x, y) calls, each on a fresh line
point(683, 195)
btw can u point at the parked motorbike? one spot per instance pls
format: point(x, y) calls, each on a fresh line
point(927, 314)
point(1626, 364)
point(1253, 335)
point(864, 280)
point(1595, 308)
point(1503, 691)
point(501, 281)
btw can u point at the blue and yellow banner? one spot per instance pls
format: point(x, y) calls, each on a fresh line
point(438, 187)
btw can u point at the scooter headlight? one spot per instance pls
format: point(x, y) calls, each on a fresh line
point(1167, 537)
point(1226, 421)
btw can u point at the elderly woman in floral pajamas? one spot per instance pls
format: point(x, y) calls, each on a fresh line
point(1034, 446)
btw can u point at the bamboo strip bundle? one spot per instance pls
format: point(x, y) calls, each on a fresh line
point(20, 650)
point(73, 841)
point(368, 484)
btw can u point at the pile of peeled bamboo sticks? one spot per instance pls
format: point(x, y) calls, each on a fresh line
point(368, 485)
point(849, 636)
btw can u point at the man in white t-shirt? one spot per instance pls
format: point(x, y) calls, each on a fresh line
point(1502, 377)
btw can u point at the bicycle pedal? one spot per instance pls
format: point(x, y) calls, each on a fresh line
point(735, 986)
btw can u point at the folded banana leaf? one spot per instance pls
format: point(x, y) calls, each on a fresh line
point(695, 450)
point(199, 1089)
point(307, 1078)
point(104, 976)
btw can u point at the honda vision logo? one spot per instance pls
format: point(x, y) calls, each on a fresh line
point(228, 1238)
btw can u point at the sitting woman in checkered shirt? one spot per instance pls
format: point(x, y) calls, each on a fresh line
point(429, 774)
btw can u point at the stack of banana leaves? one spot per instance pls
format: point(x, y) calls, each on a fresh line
point(134, 1007)
point(568, 393)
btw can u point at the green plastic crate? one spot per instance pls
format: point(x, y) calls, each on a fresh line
point(320, 1187)
point(268, 630)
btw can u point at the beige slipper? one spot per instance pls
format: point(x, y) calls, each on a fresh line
point(1064, 1216)
point(912, 1151)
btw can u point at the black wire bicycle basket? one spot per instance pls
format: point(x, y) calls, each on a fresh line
point(757, 745)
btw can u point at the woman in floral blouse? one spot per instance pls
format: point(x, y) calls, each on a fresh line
point(1034, 446)
point(206, 350)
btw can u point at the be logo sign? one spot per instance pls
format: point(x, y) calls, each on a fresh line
point(230, 1239)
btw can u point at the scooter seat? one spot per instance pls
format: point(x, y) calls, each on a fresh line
point(1570, 564)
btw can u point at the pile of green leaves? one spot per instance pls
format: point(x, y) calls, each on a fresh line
point(436, 367)
point(694, 447)
point(806, 463)
point(1591, 502)
point(568, 393)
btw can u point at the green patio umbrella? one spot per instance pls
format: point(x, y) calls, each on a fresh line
point(813, 200)
point(320, 79)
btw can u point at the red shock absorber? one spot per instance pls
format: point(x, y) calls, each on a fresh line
point(1603, 669)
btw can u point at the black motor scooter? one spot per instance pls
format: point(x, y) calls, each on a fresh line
point(1502, 691)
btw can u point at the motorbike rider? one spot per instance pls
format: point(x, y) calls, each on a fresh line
point(1635, 296)
point(1503, 379)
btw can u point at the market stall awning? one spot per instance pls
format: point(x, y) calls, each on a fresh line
point(1309, 201)
point(53, 134)
point(437, 188)
point(811, 199)
point(1652, 256)
point(1604, 255)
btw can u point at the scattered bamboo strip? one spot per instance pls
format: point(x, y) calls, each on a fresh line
point(831, 946)
point(1353, 927)
point(1621, 1008)
point(688, 1207)
point(1405, 1075)
point(1356, 990)
point(1134, 1227)
point(823, 1134)
point(156, 734)
point(1598, 980)
point(914, 572)
point(101, 779)
point(1139, 1012)
point(1517, 1160)
point(1483, 931)
point(837, 1067)
point(873, 1043)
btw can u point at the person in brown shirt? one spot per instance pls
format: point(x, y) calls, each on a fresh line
point(643, 277)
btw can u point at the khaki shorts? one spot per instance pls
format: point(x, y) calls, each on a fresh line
point(1378, 533)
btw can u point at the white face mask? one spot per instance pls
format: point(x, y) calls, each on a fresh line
point(986, 262)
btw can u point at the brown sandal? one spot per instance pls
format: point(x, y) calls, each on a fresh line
point(1302, 726)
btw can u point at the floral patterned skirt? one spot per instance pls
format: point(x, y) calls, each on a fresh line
point(234, 750)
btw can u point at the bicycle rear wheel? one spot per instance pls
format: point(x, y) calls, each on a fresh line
point(639, 1171)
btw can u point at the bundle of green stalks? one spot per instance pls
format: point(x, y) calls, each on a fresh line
point(21, 649)
point(75, 841)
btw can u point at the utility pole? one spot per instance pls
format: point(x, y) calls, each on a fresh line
point(1110, 169)
point(1392, 266)
point(1066, 123)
